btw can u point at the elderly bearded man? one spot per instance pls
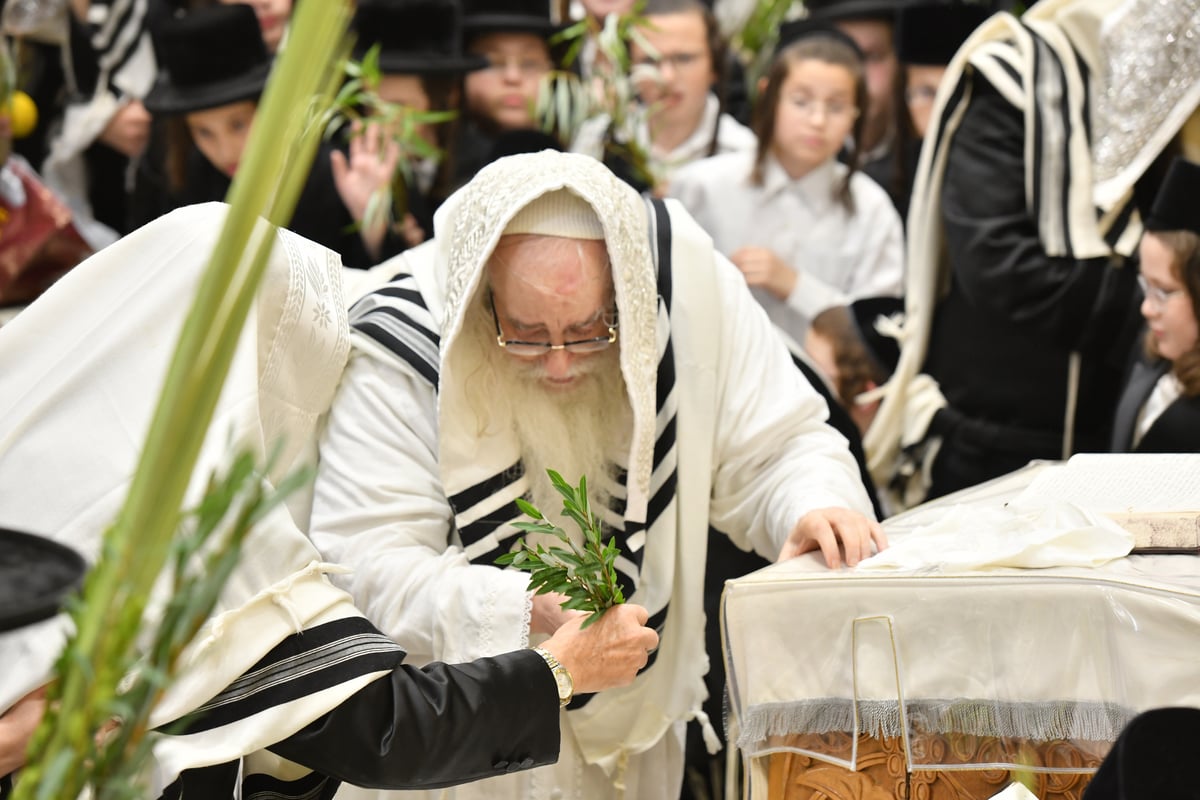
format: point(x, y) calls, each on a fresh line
point(561, 321)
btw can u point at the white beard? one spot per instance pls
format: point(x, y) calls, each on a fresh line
point(575, 432)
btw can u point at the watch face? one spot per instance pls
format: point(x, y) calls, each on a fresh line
point(564, 684)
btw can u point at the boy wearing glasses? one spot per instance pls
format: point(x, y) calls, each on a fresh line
point(680, 82)
point(559, 321)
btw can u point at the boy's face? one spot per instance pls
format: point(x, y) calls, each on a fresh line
point(504, 94)
point(684, 65)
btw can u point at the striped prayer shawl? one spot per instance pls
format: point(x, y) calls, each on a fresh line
point(397, 318)
point(322, 657)
point(1035, 67)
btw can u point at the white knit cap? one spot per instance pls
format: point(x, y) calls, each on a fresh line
point(560, 212)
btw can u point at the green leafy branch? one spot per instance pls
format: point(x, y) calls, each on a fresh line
point(755, 43)
point(566, 102)
point(587, 575)
point(357, 106)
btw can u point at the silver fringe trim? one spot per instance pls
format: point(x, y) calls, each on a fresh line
point(881, 718)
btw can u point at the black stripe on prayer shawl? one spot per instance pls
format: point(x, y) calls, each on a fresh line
point(411, 295)
point(488, 523)
point(397, 317)
point(473, 495)
point(302, 664)
point(313, 786)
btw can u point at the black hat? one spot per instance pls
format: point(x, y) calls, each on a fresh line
point(508, 16)
point(794, 30)
point(35, 575)
point(207, 58)
point(1176, 206)
point(415, 37)
point(931, 32)
point(831, 10)
point(884, 350)
point(1153, 757)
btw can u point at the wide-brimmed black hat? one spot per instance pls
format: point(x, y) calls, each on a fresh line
point(207, 58)
point(507, 16)
point(35, 575)
point(794, 30)
point(1153, 759)
point(931, 32)
point(831, 10)
point(415, 37)
point(884, 350)
point(1176, 207)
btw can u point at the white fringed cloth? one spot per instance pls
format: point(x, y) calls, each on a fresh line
point(1036, 655)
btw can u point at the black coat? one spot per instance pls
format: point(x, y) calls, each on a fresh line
point(418, 729)
point(1176, 430)
point(1003, 334)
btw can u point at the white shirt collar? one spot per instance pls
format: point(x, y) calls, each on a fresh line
point(814, 188)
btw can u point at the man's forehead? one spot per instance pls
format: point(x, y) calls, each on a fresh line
point(538, 260)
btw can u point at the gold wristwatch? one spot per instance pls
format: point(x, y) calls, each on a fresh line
point(562, 678)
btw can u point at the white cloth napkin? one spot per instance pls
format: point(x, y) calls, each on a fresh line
point(977, 536)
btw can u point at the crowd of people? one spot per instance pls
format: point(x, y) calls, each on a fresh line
point(932, 241)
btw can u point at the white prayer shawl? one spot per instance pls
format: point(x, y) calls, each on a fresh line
point(80, 373)
point(726, 432)
point(1040, 64)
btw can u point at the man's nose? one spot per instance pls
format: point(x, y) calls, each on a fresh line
point(510, 70)
point(558, 364)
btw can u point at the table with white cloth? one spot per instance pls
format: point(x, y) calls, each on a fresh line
point(940, 683)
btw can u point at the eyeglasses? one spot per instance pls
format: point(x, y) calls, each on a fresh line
point(536, 349)
point(525, 66)
point(810, 107)
point(678, 61)
point(1157, 295)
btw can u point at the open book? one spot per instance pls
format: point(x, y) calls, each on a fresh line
point(1154, 496)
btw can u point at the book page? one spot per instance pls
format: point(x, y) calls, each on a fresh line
point(1154, 496)
point(1120, 483)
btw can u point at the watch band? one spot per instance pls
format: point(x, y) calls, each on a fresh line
point(562, 678)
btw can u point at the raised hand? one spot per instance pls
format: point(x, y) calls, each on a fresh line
point(370, 169)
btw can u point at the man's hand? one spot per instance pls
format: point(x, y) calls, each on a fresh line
point(128, 130)
point(836, 532)
point(547, 615)
point(761, 267)
point(16, 729)
point(609, 652)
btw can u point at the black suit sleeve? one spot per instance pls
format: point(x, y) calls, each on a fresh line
point(992, 236)
point(437, 726)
